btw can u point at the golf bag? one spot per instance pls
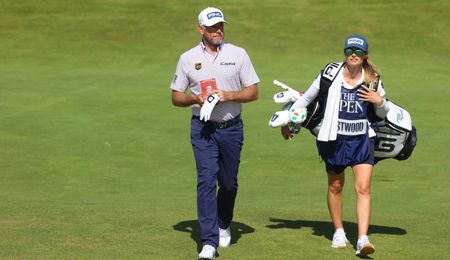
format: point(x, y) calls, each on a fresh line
point(396, 137)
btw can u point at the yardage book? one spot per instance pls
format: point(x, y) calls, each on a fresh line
point(208, 86)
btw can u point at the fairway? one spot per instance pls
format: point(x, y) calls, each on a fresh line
point(96, 163)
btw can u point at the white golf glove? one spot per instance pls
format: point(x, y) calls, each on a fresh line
point(208, 106)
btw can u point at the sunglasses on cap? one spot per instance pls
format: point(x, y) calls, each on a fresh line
point(350, 51)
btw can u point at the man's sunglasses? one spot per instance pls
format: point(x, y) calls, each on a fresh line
point(214, 28)
point(350, 51)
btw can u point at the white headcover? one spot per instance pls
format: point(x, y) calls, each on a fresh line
point(298, 115)
point(398, 117)
point(283, 97)
point(280, 118)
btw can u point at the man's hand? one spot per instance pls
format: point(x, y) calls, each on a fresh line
point(181, 99)
point(245, 95)
point(223, 95)
point(198, 99)
point(208, 106)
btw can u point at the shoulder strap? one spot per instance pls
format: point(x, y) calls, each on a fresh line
point(374, 86)
point(316, 108)
point(328, 75)
point(371, 115)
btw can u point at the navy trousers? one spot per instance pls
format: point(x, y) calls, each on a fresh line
point(217, 154)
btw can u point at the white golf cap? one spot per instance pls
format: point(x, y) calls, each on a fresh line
point(210, 16)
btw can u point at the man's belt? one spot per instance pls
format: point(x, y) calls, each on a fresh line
point(221, 125)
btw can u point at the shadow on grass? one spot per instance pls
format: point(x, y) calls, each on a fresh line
point(325, 228)
point(192, 227)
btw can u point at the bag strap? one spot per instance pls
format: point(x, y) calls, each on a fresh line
point(328, 75)
point(316, 108)
point(371, 115)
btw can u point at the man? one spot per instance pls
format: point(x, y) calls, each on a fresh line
point(215, 71)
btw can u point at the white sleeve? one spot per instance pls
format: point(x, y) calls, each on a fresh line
point(382, 110)
point(180, 81)
point(248, 74)
point(309, 95)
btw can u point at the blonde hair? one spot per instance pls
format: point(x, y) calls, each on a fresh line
point(371, 73)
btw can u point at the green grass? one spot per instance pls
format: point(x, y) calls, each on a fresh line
point(95, 162)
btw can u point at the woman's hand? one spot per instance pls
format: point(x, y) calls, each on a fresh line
point(371, 96)
point(286, 133)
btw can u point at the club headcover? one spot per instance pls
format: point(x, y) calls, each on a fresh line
point(280, 118)
point(283, 97)
point(297, 115)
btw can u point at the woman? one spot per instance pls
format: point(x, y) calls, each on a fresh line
point(345, 138)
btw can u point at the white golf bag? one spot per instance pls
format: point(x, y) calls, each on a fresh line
point(396, 137)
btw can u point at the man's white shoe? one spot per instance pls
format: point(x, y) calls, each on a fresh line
point(364, 247)
point(339, 239)
point(208, 252)
point(225, 237)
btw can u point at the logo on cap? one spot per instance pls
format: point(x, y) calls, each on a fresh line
point(214, 14)
point(355, 41)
